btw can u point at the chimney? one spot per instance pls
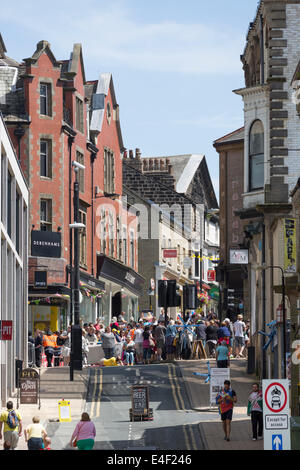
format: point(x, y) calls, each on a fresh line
point(138, 154)
point(125, 154)
point(131, 154)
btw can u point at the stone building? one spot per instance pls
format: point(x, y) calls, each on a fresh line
point(55, 117)
point(14, 197)
point(271, 170)
point(180, 189)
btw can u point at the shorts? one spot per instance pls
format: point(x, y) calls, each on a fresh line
point(226, 415)
point(222, 364)
point(35, 443)
point(12, 438)
point(160, 343)
point(239, 341)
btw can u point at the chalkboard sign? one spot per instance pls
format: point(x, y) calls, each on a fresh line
point(29, 387)
point(140, 399)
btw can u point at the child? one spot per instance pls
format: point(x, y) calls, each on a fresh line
point(47, 443)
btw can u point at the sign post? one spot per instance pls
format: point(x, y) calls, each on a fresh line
point(217, 378)
point(140, 404)
point(276, 411)
point(29, 387)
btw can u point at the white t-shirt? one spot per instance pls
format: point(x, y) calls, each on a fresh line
point(138, 335)
point(238, 328)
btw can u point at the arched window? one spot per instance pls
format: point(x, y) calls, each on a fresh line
point(256, 156)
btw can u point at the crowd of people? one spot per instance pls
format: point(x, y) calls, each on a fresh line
point(145, 342)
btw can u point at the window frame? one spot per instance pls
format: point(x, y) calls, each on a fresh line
point(251, 157)
point(47, 223)
point(46, 99)
point(48, 158)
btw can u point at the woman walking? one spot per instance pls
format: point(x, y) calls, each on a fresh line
point(35, 434)
point(84, 434)
point(146, 345)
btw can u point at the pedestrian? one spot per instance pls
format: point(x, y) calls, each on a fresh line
point(223, 333)
point(85, 348)
point(108, 342)
point(57, 349)
point(222, 355)
point(38, 343)
point(49, 344)
point(247, 336)
point(226, 399)
point(138, 340)
point(129, 347)
point(47, 443)
point(211, 337)
point(255, 410)
point(91, 336)
point(35, 434)
point(159, 337)
point(66, 347)
point(84, 434)
point(239, 328)
point(12, 426)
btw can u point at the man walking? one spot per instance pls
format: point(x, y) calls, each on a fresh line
point(226, 399)
point(12, 426)
point(255, 410)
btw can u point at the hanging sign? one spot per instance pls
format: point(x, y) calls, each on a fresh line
point(290, 245)
point(6, 328)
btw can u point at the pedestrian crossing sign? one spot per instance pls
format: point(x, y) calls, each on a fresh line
point(64, 410)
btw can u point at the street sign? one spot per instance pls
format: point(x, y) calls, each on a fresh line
point(276, 412)
point(6, 328)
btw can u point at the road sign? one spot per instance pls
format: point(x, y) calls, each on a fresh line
point(276, 412)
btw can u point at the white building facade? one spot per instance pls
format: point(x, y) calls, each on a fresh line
point(13, 262)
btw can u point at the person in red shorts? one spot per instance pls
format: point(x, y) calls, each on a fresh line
point(226, 399)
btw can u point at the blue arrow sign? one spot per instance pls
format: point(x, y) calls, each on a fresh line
point(277, 442)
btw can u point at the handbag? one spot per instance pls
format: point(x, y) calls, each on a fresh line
point(74, 443)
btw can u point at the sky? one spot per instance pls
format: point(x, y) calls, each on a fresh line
point(174, 63)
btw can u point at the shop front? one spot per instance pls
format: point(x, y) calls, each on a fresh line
point(48, 308)
point(92, 296)
point(123, 287)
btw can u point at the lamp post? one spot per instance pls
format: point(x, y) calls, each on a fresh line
point(76, 333)
point(264, 268)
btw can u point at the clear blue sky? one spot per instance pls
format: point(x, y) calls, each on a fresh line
point(174, 63)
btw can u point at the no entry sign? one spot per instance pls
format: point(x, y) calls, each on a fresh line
point(6, 327)
point(276, 411)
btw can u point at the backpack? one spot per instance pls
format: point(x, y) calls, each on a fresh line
point(12, 419)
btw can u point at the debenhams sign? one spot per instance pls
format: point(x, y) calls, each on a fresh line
point(45, 244)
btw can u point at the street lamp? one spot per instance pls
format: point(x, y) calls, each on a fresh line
point(264, 268)
point(76, 333)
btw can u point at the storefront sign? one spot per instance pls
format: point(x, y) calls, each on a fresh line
point(290, 245)
point(45, 244)
point(119, 274)
point(6, 328)
point(239, 257)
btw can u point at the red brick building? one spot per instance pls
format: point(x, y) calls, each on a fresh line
point(56, 117)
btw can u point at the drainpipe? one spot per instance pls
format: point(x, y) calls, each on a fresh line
point(262, 58)
point(264, 368)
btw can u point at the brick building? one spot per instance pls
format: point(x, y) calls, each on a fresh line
point(174, 196)
point(55, 117)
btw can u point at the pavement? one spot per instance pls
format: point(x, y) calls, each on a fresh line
point(56, 386)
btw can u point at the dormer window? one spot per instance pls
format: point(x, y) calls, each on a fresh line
point(256, 156)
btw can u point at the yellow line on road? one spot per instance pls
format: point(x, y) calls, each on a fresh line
point(171, 378)
point(100, 393)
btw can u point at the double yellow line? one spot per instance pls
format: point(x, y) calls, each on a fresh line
point(96, 399)
point(189, 437)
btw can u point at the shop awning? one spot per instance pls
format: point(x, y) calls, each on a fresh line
point(120, 274)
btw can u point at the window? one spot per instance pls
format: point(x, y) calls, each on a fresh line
point(80, 159)
point(82, 239)
point(46, 215)
point(45, 99)
point(46, 158)
point(79, 115)
point(18, 222)
point(256, 156)
point(111, 235)
point(109, 172)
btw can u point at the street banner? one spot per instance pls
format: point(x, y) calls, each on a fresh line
point(217, 378)
point(276, 414)
point(64, 410)
point(290, 245)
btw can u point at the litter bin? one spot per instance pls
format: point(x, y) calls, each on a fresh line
point(295, 432)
